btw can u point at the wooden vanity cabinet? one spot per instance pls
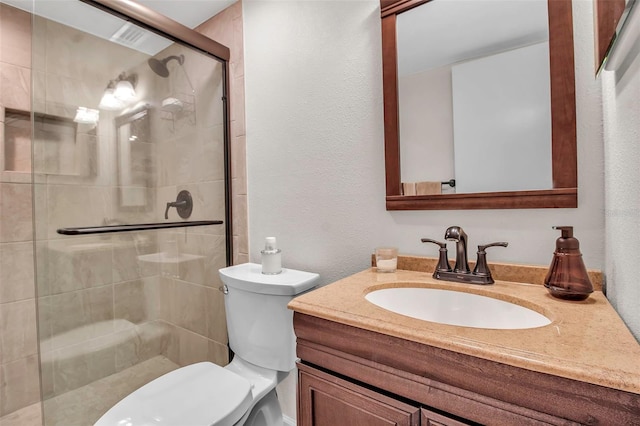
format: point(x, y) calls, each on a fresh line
point(352, 376)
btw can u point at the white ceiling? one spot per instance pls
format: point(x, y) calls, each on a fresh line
point(89, 19)
point(443, 32)
point(190, 13)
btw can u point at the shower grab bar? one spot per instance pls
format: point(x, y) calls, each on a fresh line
point(134, 227)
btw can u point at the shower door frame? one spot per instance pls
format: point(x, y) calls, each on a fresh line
point(155, 22)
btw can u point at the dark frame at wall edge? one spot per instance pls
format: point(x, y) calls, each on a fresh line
point(564, 136)
point(166, 27)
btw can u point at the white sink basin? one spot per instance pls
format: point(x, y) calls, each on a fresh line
point(456, 308)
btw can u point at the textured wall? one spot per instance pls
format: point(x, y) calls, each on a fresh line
point(622, 212)
point(315, 147)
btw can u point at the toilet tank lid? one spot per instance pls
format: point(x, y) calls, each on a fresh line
point(249, 277)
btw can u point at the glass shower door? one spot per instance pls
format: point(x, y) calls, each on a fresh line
point(124, 120)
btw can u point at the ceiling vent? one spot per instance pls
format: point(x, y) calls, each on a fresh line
point(129, 35)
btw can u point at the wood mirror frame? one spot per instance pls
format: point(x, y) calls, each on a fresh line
point(563, 124)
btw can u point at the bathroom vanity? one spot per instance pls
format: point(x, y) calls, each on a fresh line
point(364, 365)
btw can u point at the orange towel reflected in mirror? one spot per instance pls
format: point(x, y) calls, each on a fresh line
point(428, 188)
point(421, 188)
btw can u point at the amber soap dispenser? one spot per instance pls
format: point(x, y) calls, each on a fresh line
point(567, 277)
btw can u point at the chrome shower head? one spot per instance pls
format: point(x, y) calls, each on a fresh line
point(159, 66)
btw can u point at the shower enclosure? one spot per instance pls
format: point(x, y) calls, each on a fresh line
point(131, 201)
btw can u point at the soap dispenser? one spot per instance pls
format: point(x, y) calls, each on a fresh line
point(567, 277)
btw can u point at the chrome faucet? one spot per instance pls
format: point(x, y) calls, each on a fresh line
point(461, 272)
point(455, 233)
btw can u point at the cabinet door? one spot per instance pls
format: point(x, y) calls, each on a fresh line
point(429, 418)
point(325, 400)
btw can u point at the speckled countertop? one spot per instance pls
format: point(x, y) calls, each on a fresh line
point(586, 341)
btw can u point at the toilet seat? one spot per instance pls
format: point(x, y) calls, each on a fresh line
point(177, 398)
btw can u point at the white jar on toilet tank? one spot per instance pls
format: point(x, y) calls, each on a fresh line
point(271, 257)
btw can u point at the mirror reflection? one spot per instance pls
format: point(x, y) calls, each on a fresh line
point(474, 104)
point(135, 155)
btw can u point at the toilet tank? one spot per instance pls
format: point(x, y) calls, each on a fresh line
point(259, 324)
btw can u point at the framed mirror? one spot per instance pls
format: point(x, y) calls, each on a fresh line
point(562, 181)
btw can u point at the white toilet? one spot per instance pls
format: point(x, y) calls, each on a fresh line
point(243, 393)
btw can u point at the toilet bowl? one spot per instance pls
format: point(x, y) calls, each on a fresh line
point(260, 329)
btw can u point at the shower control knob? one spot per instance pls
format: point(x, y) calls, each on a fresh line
point(183, 205)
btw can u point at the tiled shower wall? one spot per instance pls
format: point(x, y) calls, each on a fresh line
point(186, 304)
point(226, 28)
point(190, 301)
point(96, 302)
point(19, 381)
point(190, 153)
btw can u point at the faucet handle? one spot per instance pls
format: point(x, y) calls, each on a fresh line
point(443, 261)
point(429, 240)
point(501, 244)
point(481, 264)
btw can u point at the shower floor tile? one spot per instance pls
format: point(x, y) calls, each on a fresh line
point(85, 405)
